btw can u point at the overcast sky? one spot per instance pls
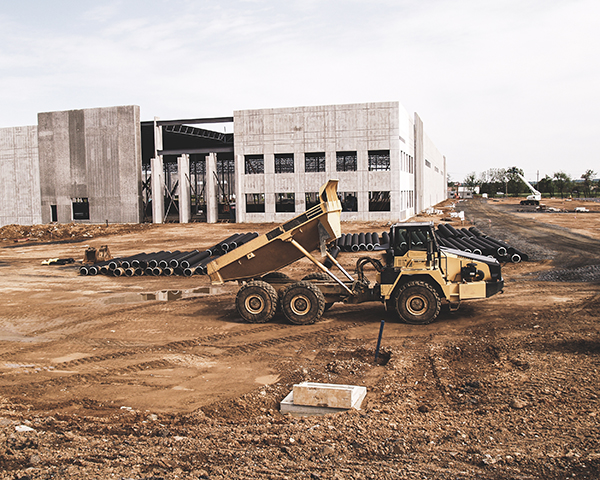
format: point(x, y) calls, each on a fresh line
point(497, 83)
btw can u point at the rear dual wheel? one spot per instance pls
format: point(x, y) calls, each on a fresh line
point(256, 302)
point(302, 303)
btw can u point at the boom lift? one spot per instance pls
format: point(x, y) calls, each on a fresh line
point(412, 277)
point(534, 198)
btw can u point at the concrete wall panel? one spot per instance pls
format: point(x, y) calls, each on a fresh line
point(20, 198)
point(94, 154)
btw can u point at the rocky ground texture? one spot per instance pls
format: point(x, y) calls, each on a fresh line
point(505, 388)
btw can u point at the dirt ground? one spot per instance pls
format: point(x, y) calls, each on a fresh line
point(158, 378)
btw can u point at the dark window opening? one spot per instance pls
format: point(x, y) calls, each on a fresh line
point(379, 160)
point(284, 163)
point(379, 201)
point(349, 201)
point(311, 199)
point(406, 239)
point(81, 209)
point(255, 203)
point(53, 213)
point(345, 162)
point(427, 163)
point(314, 162)
point(254, 164)
point(285, 202)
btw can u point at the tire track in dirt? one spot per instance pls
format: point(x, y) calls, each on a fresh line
point(79, 379)
point(320, 334)
point(80, 336)
point(207, 341)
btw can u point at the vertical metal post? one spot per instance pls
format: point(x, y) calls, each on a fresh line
point(379, 340)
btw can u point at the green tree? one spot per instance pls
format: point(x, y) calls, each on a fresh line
point(513, 181)
point(588, 182)
point(562, 181)
point(471, 180)
point(546, 185)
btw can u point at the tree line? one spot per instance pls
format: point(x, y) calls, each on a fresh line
point(508, 182)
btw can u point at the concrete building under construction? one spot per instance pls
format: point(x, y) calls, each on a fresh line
point(105, 164)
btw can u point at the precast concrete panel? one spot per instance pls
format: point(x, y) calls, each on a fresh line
point(130, 163)
point(94, 154)
point(20, 198)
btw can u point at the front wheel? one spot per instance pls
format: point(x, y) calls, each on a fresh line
point(302, 303)
point(417, 303)
point(256, 302)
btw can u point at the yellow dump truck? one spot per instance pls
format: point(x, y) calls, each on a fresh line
point(413, 275)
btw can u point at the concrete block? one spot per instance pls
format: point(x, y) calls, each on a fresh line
point(327, 394)
point(322, 398)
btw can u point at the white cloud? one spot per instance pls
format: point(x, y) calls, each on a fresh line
point(508, 82)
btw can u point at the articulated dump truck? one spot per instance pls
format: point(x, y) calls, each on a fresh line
point(413, 274)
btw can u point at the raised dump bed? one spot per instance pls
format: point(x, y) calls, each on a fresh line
point(285, 244)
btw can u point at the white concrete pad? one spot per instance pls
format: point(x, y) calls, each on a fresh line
point(322, 398)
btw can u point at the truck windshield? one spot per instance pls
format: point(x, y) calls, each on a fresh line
point(406, 239)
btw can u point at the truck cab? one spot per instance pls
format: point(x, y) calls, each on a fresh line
point(419, 274)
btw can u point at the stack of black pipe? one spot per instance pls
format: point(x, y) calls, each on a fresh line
point(354, 242)
point(166, 263)
point(473, 240)
point(467, 240)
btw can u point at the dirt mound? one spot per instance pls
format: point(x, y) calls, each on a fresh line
point(66, 231)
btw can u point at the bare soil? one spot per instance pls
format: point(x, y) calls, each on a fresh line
point(158, 378)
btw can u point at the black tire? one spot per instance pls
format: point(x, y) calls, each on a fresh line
point(316, 276)
point(417, 303)
point(275, 276)
point(302, 303)
point(319, 276)
point(256, 302)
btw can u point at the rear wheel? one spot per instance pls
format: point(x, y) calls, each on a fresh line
point(256, 302)
point(302, 303)
point(417, 303)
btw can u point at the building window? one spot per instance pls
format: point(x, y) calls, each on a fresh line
point(345, 162)
point(53, 213)
point(437, 170)
point(255, 203)
point(254, 164)
point(379, 201)
point(427, 163)
point(284, 163)
point(379, 160)
point(349, 201)
point(81, 209)
point(314, 162)
point(311, 199)
point(285, 202)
